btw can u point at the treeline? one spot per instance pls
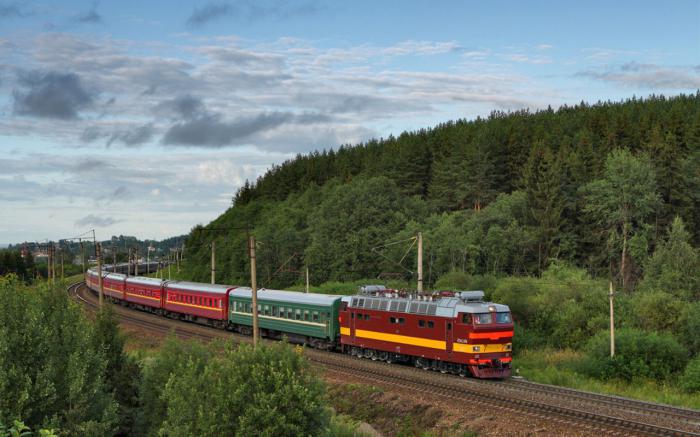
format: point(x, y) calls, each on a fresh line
point(60, 371)
point(596, 186)
point(12, 261)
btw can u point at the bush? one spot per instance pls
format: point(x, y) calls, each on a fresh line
point(690, 380)
point(657, 311)
point(51, 373)
point(266, 391)
point(638, 354)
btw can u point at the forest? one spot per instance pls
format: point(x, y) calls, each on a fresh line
point(595, 186)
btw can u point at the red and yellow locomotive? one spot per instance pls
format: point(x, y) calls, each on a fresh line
point(451, 332)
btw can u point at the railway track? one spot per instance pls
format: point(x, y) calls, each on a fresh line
point(593, 412)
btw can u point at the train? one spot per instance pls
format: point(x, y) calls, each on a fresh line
point(454, 332)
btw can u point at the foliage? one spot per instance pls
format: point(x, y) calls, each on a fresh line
point(503, 195)
point(267, 391)
point(638, 354)
point(12, 261)
point(565, 367)
point(122, 372)
point(622, 200)
point(19, 429)
point(675, 265)
point(51, 375)
point(690, 380)
point(171, 359)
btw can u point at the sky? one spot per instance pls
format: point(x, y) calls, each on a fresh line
point(143, 118)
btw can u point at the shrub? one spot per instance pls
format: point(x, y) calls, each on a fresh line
point(690, 380)
point(638, 354)
point(51, 374)
point(266, 391)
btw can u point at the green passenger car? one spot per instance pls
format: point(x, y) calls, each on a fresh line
point(301, 317)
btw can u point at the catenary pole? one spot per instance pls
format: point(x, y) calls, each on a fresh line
point(136, 261)
point(612, 321)
point(254, 286)
point(213, 262)
point(307, 279)
point(98, 250)
point(420, 262)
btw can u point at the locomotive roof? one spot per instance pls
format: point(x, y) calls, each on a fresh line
point(288, 296)
point(198, 286)
point(444, 307)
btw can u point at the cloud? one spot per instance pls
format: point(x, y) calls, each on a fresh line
point(207, 13)
point(633, 74)
point(11, 10)
point(91, 16)
point(252, 10)
point(132, 136)
point(121, 193)
point(186, 106)
point(51, 95)
point(99, 222)
point(209, 130)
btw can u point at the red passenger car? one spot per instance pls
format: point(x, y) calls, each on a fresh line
point(144, 293)
point(114, 285)
point(204, 303)
point(460, 334)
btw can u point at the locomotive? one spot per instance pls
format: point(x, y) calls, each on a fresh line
point(450, 332)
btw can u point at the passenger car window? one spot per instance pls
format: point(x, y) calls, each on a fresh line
point(402, 320)
point(421, 323)
point(482, 319)
point(503, 318)
point(430, 324)
point(366, 316)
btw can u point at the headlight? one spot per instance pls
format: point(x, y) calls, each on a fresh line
point(509, 346)
point(476, 348)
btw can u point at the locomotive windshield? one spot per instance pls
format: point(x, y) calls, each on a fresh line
point(503, 318)
point(482, 319)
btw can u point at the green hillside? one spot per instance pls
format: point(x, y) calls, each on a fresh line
point(595, 186)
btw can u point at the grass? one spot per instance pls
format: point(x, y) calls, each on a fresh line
point(560, 367)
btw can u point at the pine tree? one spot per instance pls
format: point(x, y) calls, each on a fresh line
point(542, 182)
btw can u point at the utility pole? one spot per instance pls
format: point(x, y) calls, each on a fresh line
point(612, 321)
point(98, 251)
point(53, 263)
point(213, 262)
point(114, 257)
point(61, 264)
point(307, 279)
point(254, 286)
point(178, 257)
point(170, 255)
point(420, 263)
point(128, 260)
point(136, 261)
point(48, 262)
point(82, 254)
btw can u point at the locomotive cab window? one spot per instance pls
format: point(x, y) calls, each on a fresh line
point(482, 319)
point(503, 318)
point(430, 324)
point(467, 319)
point(421, 323)
point(402, 320)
